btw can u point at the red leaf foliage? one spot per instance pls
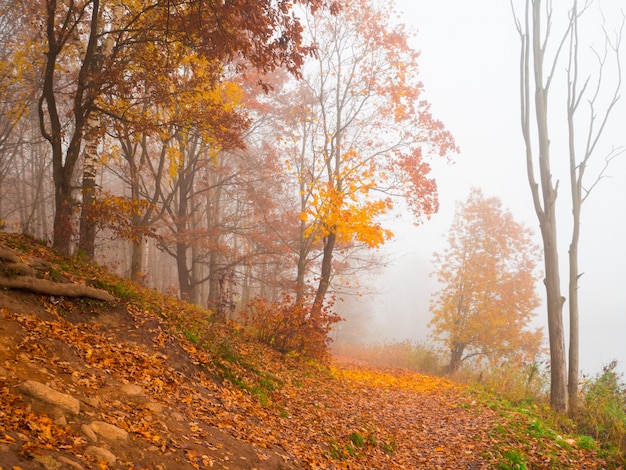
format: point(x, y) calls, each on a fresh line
point(289, 327)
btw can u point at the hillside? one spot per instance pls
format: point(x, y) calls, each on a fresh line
point(145, 382)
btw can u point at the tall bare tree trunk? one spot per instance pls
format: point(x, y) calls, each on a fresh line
point(595, 121)
point(548, 225)
point(576, 195)
point(556, 334)
point(544, 194)
point(572, 385)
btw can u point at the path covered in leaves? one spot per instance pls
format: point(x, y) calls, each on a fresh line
point(357, 417)
point(303, 414)
point(373, 419)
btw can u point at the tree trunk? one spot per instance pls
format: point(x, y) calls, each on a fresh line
point(576, 173)
point(572, 384)
point(63, 204)
point(181, 223)
point(22, 194)
point(304, 246)
point(456, 354)
point(138, 244)
point(544, 194)
point(184, 281)
point(195, 296)
point(213, 298)
point(52, 128)
point(322, 288)
point(558, 372)
point(548, 226)
point(88, 215)
point(40, 209)
point(246, 286)
point(136, 261)
point(300, 277)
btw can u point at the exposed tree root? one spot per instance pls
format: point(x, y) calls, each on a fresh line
point(43, 286)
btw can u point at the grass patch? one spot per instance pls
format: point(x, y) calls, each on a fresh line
point(389, 446)
point(538, 429)
point(357, 439)
point(602, 413)
point(356, 443)
point(514, 461)
point(192, 336)
point(586, 443)
point(121, 290)
point(531, 436)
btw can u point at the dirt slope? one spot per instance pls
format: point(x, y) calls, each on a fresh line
point(122, 370)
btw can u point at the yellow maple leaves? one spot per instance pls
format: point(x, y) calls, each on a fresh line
point(346, 205)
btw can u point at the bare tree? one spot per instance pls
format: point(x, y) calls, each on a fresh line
point(593, 125)
point(536, 77)
point(532, 71)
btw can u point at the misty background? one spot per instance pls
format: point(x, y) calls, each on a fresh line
point(469, 66)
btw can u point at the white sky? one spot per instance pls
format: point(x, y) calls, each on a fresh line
point(469, 66)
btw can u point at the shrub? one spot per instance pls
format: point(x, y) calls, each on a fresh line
point(602, 412)
point(516, 380)
point(289, 327)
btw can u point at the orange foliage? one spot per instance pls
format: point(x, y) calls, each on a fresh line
point(488, 276)
point(288, 327)
point(116, 213)
point(342, 213)
point(393, 379)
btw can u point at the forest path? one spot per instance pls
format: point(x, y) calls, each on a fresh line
point(69, 365)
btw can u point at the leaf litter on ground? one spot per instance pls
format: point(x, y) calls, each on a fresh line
point(292, 413)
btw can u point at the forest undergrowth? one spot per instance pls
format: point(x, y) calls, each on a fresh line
point(216, 397)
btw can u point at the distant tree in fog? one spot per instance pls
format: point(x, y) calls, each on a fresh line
point(487, 275)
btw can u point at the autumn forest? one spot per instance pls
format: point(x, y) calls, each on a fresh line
point(215, 155)
point(242, 156)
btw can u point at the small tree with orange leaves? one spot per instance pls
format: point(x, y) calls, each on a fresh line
point(488, 275)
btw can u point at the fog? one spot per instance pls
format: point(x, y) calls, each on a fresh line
point(469, 66)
